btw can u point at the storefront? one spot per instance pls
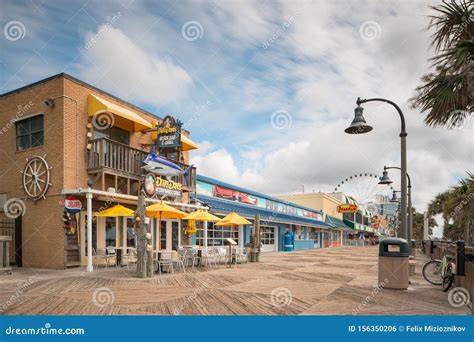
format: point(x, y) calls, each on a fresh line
point(276, 217)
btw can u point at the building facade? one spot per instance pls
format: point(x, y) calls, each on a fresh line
point(277, 217)
point(62, 140)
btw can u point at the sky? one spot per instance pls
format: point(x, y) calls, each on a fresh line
point(266, 88)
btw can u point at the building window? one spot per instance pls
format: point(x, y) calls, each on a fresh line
point(30, 133)
point(115, 134)
point(216, 236)
point(267, 235)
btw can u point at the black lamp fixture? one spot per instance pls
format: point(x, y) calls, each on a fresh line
point(358, 125)
point(385, 179)
point(49, 102)
point(394, 196)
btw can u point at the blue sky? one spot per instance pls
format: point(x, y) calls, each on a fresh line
point(265, 87)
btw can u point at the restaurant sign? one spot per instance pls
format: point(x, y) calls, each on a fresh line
point(155, 185)
point(347, 208)
point(72, 204)
point(168, 133)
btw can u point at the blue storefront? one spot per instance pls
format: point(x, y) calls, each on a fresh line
point(276, 217)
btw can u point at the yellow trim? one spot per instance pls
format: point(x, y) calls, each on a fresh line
point(98, 105)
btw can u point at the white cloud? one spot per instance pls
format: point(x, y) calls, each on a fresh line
point(115, 62)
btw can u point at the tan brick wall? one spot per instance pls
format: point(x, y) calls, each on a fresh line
point(43, 236)
point(65, 150)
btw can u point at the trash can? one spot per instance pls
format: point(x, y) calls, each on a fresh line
point(394, 254)
point(288, 245)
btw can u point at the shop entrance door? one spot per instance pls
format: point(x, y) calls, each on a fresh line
point(170, 235)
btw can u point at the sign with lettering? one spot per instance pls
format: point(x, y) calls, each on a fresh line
point(155, 185)
point(72, 204)
point(347, 208)
point(168, 133)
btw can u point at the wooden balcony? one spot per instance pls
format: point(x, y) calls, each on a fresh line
point(114, 158)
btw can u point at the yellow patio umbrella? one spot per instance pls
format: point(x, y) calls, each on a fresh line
point(116, 210)
point(233, 219)
point(163, 211)
point(201, 215)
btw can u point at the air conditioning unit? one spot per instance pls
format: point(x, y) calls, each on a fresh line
point(111, 190)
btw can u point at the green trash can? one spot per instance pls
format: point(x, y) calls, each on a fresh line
point(394, 254)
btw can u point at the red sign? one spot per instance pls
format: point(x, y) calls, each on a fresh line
point(347, 208)
point(72, 204)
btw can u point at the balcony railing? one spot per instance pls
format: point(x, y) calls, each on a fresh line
point(124, 160)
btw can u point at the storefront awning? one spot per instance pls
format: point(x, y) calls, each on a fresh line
point(187, 144)
point(99, 105)
point(336, 223)
point(223, 207)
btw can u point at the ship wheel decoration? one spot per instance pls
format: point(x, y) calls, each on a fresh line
point(36, 178)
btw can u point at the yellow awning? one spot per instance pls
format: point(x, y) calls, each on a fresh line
point(186, 143)
point(98, 105)
point(164, 211)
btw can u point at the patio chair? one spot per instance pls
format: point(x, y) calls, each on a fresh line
point(101, 254)
point(222, 255)
point(208, 257)
point(181, 259)
point(129, 258)
point(112, 253)
point(242, 254)
point(166, 259)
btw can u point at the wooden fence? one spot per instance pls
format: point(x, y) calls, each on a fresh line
point(464, 259)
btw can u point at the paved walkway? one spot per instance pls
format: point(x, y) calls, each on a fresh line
point(336, 281)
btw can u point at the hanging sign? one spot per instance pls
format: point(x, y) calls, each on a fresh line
point(160, 186)
point(168, 133)
point(347, 208)
point(72, 204)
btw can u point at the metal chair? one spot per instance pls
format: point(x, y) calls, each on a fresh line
point(101, 254)
point(130, 258)
point(166, 259)
point(181, 259)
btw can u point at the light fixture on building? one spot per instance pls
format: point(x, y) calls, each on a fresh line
point(49, 102)
point(394, 197)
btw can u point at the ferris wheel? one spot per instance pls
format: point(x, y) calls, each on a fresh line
point(363, 188)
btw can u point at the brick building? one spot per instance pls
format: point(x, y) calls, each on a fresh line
point(61, 137)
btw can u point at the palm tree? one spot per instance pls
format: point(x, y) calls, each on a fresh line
point(447, 93)
point(456, 206)
point(419, 225)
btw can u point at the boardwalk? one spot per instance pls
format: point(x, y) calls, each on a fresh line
point(337, 281)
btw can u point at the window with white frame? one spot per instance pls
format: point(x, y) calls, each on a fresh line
point(216, 235)
point(267, 235)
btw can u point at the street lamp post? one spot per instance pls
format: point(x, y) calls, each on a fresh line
point(386, 180)
point(359, 126)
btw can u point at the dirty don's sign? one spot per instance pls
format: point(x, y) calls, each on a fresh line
point(160, 186)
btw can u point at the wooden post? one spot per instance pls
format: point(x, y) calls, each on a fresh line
point(140, 230)
point(255, 245)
